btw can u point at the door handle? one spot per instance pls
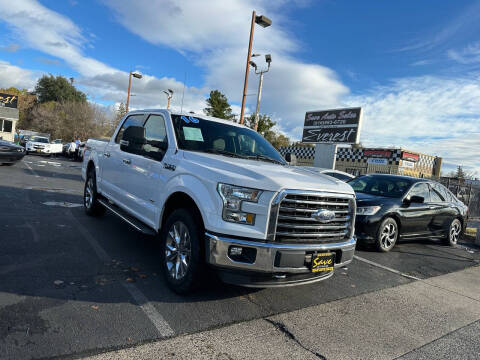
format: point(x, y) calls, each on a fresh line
point(431, 207)
point(127, 161)
point(107, 154)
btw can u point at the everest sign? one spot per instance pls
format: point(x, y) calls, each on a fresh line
point(339, 126)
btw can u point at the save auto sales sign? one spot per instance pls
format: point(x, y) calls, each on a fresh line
point(338, 126)
point(7, 100)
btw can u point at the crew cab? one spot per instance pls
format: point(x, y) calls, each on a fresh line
point(41, 145)
point(218, 195)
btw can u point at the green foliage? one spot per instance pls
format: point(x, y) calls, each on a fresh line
point(265, 128)
point(460, 174)
point(59, 89)
point(218, 106)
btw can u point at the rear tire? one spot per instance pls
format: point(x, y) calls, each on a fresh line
point(90, 196)
point(454, 232)
point(181, 252)
point(387, 235)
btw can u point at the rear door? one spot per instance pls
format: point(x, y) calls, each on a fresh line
point(445, 209)
point(114, 163)
point(416, 217)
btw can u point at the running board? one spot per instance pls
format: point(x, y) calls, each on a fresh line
point(136, 224)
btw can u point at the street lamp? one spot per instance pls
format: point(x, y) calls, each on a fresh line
point(135, 75)
point(268, 59)
point(263, 21)
point(169, 94)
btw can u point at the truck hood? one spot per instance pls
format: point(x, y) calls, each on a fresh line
point(261, 174)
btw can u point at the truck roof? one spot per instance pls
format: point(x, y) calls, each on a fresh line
point(206, 117)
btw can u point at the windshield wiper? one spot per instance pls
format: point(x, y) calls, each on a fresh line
point(225, 152)
point(265, 158)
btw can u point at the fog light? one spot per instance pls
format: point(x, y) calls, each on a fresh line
point(235, 251)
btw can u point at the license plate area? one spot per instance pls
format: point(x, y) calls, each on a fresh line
point(323, 262)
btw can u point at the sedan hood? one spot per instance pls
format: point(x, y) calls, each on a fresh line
point(10, 144)
point(261, 174)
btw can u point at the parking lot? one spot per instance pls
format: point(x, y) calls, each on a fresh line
point(74, 285)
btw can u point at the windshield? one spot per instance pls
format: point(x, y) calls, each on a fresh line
point(381, 185)
point(39, 139)
point(196, 134)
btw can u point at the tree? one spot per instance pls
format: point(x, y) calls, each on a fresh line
point(218, 106)
point(59, 89)
point(460, 174)
point(265, 123)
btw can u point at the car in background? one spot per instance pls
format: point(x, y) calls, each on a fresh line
point(81, 151)
point(10, 153)
point(41, 145)
point(340, 175)
point(392, 207)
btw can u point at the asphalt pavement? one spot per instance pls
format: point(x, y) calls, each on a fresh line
point(72, 286)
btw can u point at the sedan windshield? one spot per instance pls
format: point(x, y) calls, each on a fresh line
point(39, 139)
point(196, 134)
point(381, 185)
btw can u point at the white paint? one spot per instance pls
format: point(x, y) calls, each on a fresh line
point(62, 204)
point(30, 168)
point(386, 268)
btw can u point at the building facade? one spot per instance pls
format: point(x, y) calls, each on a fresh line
point(8, 116)
point(361, 161)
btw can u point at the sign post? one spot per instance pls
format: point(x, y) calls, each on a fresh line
point(327, 129)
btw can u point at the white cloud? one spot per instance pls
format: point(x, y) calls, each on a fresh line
point(434, 115)
point(214, 35)
point(11, 48)
point(468, 55)
point(11, 75)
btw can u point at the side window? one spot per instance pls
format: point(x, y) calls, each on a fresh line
point(422, 190)
point(156, 136)
point(132, 120)
point(435, 195)
point(442, 191)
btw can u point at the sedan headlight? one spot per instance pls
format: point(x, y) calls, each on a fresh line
point(233, 197)
point(368, 210)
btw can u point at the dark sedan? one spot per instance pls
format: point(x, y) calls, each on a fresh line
point(390, 207)
point(10, 153)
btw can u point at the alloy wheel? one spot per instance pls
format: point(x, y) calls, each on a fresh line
point(388, 236)
point(178, 250)
point(455, 232)
point(88, 196)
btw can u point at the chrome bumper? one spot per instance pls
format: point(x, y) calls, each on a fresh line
point(268, 257)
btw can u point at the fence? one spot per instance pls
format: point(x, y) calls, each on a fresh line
point(468, 193)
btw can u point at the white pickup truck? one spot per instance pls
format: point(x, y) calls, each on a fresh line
point(218, 195)
point(41, 145)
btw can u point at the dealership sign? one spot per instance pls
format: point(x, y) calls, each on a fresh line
point(339, 126)
point(408, 164)
point(410, 157)
point(377, 153)
point(377, 161)
point(7, 100)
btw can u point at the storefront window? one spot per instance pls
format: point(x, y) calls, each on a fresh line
point(5, 125)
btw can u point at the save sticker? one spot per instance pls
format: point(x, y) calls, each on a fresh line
point(192, 134)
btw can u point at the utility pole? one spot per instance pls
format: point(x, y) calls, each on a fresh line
point(169, 94)
point(263, 21)
point(130, 74)
point(268, 59)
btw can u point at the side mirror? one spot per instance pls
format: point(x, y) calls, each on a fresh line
point(133, 139)
point(291, 158)
point(415, 199)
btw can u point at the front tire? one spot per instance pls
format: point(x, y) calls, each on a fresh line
point(90, 196)
point(454, 232)
point(387, 235)
point(181, 251)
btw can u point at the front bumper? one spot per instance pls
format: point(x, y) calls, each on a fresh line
point(11, 156)
point(271, 264)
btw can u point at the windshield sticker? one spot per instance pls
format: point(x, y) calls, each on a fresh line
point(190, 119)
point(192, 134)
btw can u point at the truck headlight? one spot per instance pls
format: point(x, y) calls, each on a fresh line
point(233, 197)
point(368, 210)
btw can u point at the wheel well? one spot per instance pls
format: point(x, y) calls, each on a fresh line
point(90, 166)
point(180, 200)
point(397, 220)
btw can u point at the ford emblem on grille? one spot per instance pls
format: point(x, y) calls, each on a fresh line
point(323, 215)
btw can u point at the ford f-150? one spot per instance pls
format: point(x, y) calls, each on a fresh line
point(217, 194)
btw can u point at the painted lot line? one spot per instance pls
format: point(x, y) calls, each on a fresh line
point(30, 168)
point(147, 307)
point(386, 268)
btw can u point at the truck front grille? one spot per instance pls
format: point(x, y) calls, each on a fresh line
point(295, 223)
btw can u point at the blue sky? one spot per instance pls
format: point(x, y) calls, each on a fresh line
point(414, 66)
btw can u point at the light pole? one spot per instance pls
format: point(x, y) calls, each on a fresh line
point(169, 94)
point(136, 75)
point(263, 21)
point(268, 59)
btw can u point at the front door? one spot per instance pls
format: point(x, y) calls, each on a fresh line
point(145, 176)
